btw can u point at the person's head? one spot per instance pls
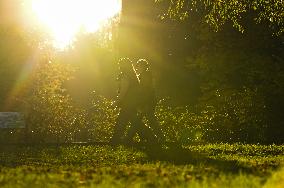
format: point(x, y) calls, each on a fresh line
point(125, 65)
point(142, 65)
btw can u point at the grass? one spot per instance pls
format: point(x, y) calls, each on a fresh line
point(212, 165)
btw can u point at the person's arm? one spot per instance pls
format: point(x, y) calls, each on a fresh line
point(122, 88)
point(136, 74)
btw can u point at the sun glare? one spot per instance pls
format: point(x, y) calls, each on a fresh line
point(65, 18)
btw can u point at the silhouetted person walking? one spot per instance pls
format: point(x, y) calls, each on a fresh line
point(126, 99)
point(146, 105)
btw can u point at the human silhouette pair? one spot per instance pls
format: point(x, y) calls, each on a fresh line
point(136, 99)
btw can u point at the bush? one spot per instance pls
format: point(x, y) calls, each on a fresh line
point(51, 113)
point(227, 115)
point(221, 116)
point(235, 115)
point(102, 117)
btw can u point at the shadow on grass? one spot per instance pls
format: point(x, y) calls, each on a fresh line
point(17, 155)
point(178, 155)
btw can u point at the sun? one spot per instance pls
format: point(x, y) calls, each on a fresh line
point(65, 18)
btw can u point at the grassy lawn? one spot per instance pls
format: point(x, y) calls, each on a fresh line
point(212, 165)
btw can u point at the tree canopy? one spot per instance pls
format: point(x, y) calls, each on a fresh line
point(218, 12)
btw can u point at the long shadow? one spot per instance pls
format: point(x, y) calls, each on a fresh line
point(180, 156)
point(174, 154)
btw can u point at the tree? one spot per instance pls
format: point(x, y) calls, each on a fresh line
point(218, 12)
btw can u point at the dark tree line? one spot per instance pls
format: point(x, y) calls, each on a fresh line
point(222, 55)
point(214, 86)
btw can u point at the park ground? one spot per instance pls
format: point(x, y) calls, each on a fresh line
point(209, 165)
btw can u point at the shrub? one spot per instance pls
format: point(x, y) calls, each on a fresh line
point(227, 116)
point(51, 113)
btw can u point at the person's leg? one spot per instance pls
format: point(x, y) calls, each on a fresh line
point(136, 123)
point(154, 124)
point(152, 134)
point(143, 130)
point(120, 126)
point(138, 126)
point(148, 134)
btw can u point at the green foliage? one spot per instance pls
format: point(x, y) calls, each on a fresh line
point(53, 116)
point(238, 77)
point(50, 112)
point(179, 124)
point(220, 116)
point(234, 116)
point(240, 84)
point(217, 13)
point(103, 116)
